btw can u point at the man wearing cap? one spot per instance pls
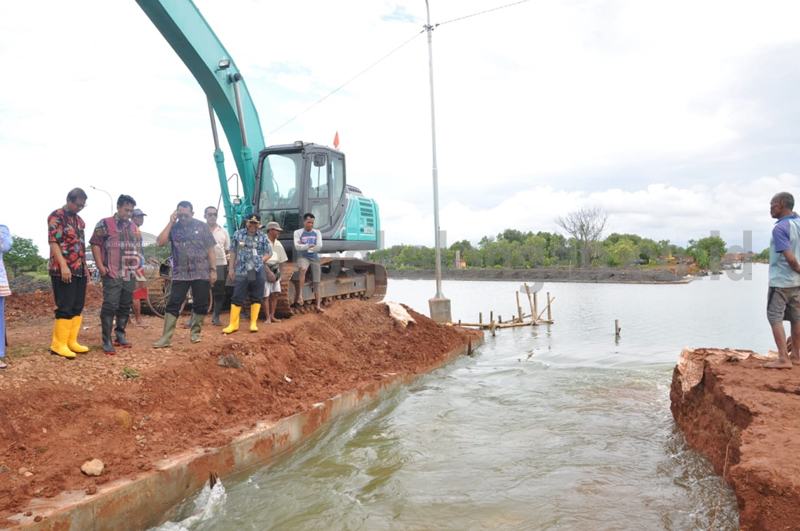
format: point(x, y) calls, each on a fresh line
point(140, 293)
point(250, 250)
point(308, 244)
point(117, 243)
point(192, 268)
point(67, 265)
point(272, 288)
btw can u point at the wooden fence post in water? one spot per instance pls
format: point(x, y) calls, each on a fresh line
point(549, 311)
point(519, 308)
point(530, 302)
point(480, 318)
point(616, 327)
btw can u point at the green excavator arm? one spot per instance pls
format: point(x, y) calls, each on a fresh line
point(190, 36)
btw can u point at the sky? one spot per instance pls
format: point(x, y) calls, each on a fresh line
point(678, 118)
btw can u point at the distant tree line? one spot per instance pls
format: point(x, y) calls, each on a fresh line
point(514, 249)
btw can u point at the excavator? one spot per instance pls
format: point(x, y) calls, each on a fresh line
point(280, 182)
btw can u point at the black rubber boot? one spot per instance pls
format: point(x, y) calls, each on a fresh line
point(119, 332)
point(217, 310)
point(107, 323)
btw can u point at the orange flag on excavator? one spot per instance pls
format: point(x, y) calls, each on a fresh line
point(336, 140)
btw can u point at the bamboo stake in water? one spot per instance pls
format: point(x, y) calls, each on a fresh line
point(530, 302)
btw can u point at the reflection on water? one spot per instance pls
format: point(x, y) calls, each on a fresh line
point(556, 427)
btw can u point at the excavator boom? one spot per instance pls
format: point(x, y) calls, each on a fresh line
point(188, 33)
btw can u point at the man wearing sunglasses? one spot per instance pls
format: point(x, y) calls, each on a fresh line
point(193, 266)
point(221, 262)
point(220, 252)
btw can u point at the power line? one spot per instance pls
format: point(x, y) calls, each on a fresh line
point(370, 67)
point(334, 91)
point(482, 12)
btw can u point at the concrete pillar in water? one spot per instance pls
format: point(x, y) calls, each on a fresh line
point(440, 310)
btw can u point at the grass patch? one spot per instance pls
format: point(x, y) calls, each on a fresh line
point(129, 372)
point(20, 351)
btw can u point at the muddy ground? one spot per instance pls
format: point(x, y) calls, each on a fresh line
point(744, 419)
point(593, 274)
point(141, 405)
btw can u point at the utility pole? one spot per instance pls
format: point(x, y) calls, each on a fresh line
point(439, 305)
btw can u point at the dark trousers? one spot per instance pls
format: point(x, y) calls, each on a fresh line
point(69, 296)
point(117, 296)
point(254, 287)
point(219, 285)
point(200, 290)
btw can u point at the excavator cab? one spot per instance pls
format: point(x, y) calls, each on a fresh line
point(298, 178)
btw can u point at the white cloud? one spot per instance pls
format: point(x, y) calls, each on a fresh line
point(533, 102)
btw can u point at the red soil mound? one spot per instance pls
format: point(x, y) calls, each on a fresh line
point(744, 419)
point(57, 414)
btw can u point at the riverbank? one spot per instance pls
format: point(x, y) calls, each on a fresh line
point(632, 275)
point(143, 405)
point(742, 417)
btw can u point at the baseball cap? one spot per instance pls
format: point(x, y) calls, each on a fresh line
point(254, 218)
point(137, 212)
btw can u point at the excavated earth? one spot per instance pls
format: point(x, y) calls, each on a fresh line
point(141, 405)
point(746, 420)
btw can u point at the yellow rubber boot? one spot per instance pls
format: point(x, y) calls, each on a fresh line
point(234, 325)
point(61, 330)
point(255, 309)
point(72, 343)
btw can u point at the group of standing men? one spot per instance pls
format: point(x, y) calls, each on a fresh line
point(198, 262)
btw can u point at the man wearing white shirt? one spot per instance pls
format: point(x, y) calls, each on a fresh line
point(223, 240)
point(308, 244)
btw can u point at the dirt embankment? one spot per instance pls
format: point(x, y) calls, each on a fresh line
point(135, 408)
point(744, 418)
point(632, 275)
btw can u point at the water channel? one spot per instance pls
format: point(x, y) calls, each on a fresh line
point(559, 427)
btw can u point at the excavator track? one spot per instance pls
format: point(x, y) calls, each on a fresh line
point(342, 278)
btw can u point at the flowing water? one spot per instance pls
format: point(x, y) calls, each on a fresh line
point(555, 427)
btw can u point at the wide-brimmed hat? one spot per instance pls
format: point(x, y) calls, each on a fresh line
point(274, 225)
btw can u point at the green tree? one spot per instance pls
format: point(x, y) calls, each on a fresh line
point(23, 256)
point(763, 255)
point(621, 253)
point(707, 252)
point(154, 251)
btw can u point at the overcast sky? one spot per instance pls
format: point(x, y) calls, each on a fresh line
point(677, 117)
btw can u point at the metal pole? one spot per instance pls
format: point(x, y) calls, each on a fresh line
point(110, 199)
point(213, 124)
point(438, 251)
point(235, 78)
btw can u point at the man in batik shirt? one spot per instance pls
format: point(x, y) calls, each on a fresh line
point(192, 268)
point(65, 233)
point(117, 243)
point(250, 250)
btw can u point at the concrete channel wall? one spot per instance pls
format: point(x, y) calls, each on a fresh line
point(135, 505)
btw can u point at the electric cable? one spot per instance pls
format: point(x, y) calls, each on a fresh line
point(370, 67)
point(340, 87)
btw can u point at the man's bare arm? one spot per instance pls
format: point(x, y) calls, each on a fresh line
point(791, 259)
